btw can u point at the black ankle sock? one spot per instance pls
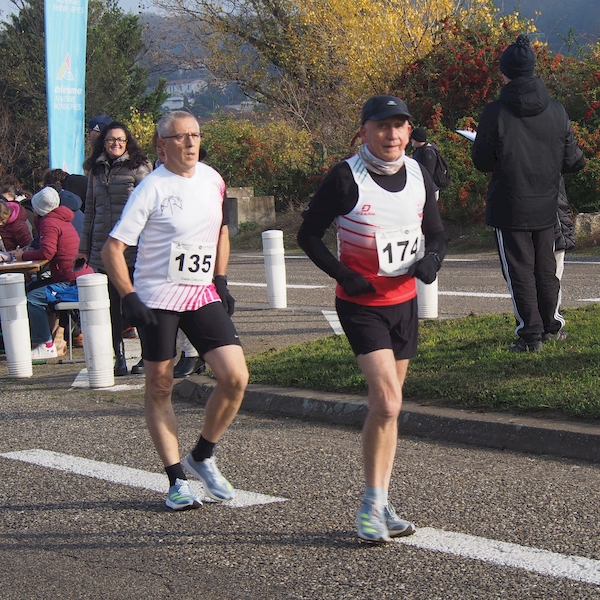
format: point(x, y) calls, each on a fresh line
point(204, 449)
point(175, 472)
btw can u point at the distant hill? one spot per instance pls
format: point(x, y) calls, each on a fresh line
point(583, 16)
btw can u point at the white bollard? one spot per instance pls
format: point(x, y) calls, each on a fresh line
point(275, 267)
point(94, 314)
point(427, 294)
point(15, 324)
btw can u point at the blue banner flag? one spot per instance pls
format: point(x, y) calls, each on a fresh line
point(66, 34)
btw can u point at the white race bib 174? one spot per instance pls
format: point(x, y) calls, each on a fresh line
point(192, 264)
point(397, 250)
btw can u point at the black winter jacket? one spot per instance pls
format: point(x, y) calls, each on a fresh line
point(564, 230)
point(107, 194)
point(526, 140)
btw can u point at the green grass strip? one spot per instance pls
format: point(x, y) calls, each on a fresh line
point(462, 363)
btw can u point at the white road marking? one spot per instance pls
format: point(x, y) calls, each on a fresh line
point(544, 562)
point(156, 482)
point(506, 554)
point(289, 285)
point(334, 321)
point(474, 294)
point(287, 256)
point(82, 381)
point(133, 353)
point(462, 259)
point(588, 300)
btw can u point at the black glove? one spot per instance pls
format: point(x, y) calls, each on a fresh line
point(425, 269)
point(354, 283)
point(136, 312)
point(227, 299)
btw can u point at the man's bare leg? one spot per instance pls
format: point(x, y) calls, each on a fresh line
point(229, 366)
point(160, 417)
point(385, 377)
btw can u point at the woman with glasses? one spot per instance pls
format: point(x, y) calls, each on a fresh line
point(114, 168)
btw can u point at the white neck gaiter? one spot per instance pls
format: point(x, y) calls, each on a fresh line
point(381, 167)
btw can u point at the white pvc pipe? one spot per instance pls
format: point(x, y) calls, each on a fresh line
point(274, 256)
point(94, 314)
point(427, 298)
point(427, 294)
point(15, 324)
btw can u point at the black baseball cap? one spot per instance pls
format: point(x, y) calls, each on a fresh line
point(98, 123)
point(378, 108)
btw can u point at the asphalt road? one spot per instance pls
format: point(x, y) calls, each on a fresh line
point(67, 534)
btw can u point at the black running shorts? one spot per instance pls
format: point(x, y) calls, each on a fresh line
point(207, 328)
point(371, 328)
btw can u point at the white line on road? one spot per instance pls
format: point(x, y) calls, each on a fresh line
point(133, 353)
point(334, 321)
point(82, 381)
point(506, 554)
point(474, 294)
point(126, 475)
point(289, 285)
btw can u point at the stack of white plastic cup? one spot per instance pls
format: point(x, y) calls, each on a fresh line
point(274, 256)
point(94, 313)
point(427, 294)
point(15, 324)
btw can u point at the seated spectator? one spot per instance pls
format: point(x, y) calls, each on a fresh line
point(56, 179)
point(14, 194)
point(59, 244)
point(14, 227)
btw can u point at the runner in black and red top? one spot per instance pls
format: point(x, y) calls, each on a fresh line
point(383, 203)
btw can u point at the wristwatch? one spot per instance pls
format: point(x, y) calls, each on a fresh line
point(436, 258)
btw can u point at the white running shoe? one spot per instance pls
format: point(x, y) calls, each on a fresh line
point(43, 351)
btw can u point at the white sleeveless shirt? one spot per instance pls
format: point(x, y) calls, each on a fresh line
point(381, 235)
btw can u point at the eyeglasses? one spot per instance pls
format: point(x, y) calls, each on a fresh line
point(180, 137)
point(112, 140)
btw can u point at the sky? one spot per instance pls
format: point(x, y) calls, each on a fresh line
point(6, 6)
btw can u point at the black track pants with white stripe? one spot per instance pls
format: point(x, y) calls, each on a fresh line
point(529, 267)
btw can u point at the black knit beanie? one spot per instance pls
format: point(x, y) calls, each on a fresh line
point(518, 60)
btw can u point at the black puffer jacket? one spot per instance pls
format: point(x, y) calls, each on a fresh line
point(526, 140)
point(108, 189)
point(564, 230)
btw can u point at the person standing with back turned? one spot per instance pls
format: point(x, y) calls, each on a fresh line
point(178, 214)
point(525, 140)
point(382, 202)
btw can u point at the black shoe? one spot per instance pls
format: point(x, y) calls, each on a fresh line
point(120, 367)
point(522, 346)
point(560, 335)
point(139, 369)
point(188, 365)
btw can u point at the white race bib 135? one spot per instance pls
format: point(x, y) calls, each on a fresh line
point(192, 264)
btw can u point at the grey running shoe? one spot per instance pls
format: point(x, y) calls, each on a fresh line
point(181, 496)
point(561, 334)
point(371, 523)
point(215, 485)
point(397, 527)
point(522, 346)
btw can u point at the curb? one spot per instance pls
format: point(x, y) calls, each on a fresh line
point(502, 431)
